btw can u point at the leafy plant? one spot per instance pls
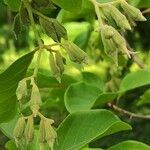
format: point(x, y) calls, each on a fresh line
point(27, 96)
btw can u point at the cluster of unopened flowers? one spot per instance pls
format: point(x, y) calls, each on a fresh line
point(24, 129)
point(113, 41)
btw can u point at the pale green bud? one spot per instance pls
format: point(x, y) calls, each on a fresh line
point(117, 16)
point(35, 101)
point(117, 38)
point(120, 42)
point(114, 44)
point(51, 134)
point(41, 146)
point(19, 128)
point(133, 12)
point(42, 132)
point(107, 32)
point(54, 68)
point(21, 89)
point(59, 62)
point(75, 53)
point(29, 130)
point(110, 48)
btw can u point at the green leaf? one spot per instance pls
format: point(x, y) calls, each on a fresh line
point(145, 98)
point(104, 98)
point(134, 2)
point(144, 4)
point(14, 5)
point(82, 38)
point(53, 29)
point(80, 96)
point(93, 80)
point(130, 145)
point(135, 80)
point(10, 145)
point(69, 5)
point(80, 128)
point(7, 128)
point(8, 84)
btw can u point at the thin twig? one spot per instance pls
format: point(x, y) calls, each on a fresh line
point(146, 11)
point(128, 113)
point(135, 58)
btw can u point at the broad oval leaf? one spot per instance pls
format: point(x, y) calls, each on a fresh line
point(93, 80)
point(80, 128)
point(80, 96)
point(134, 80)
point(130, 145)
point(8, 83)
point(104, 98)
point(69, 5)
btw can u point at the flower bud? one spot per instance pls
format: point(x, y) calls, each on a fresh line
point(42, 131)
point(35, 101)
point(19, 129)
point(107, 32)
point(75, 53)
point(29, 130)
point(133, 12)
point(114, 44)
point(21, 89)
point(117, 16)
point(120, 42)
point(54, 68)
point(41, 146)
point(110, 49)
point(59, 62)
point(51, 134)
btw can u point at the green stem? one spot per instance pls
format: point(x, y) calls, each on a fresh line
point(96, 5)
point(29, 9)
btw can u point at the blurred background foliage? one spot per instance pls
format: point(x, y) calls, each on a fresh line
point(80, 28)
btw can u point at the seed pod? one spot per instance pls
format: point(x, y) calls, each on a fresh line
point(118, 17)
point(51, 134)
point(59, 62)
point(42, 132)
point(35, 101)
point(21, 89)
point(133, 12)
point(54, 68)
point(75, 53)
point(29, 130)
point(19, 129)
